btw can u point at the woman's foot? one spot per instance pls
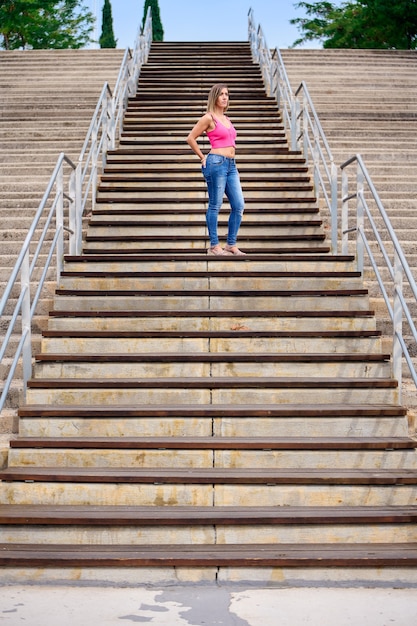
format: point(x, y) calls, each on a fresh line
point(217, 251)
point(234, 250)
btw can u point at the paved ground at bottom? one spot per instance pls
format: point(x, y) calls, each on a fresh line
point(208, 606)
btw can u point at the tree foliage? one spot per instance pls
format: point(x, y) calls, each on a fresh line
point(107, 39)
point(379, 24)
point(157, 28)
point(40, 24)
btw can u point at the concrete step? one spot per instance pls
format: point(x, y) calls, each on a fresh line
point(152, 536)
point(283, 459)
point(242, 342)
point(268, 521)
point(230, 280)
point(213, 321)
point(177, 365)
point(174, 230)
point(219, 391)
point(126, 487)
point(217, 301)
point(178, 263)
point(254, 421)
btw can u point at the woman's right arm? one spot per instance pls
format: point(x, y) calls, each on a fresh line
point(202, 126)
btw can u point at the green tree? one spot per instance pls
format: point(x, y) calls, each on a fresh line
point(359, 24)
point(40, 24)
point(157, 28)
point(107, 39)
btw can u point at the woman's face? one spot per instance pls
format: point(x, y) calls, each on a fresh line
point(223, 99)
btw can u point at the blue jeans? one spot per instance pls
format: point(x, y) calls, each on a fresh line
point(222, 178)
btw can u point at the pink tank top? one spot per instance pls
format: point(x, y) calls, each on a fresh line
point(221, 136)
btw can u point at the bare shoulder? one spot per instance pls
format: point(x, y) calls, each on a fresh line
point(203, 125)
point(206, 121)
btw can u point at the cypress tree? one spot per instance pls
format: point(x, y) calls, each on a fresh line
point(107, 39)
point(157, 28)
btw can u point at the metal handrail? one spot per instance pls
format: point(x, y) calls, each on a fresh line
point(62, 212)
point(369, 239)
point(300, 121)
point(51, 206)
point(306, 134)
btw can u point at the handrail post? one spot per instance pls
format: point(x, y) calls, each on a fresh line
point(111, 108)
point(95, 152)
point(360, 219)
point(26, 321)
point(304, 125)
point(294, 124)
point(107, 130)
point(397, 322)
point(72, 209)
point(334, 215)
point(59, 220)
point(345, 211)
point(78, 210)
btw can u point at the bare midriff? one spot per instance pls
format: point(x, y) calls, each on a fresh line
point(226, 152)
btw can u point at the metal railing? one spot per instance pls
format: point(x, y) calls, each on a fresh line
point(369, 232)
point(57, 226)
point(301, 123)
point(305, 134)
point(28, 292)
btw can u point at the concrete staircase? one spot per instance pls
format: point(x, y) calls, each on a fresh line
point(200, 419)
point(47, 100)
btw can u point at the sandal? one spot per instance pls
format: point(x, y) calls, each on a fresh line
point(234, 250)
point(217, 251)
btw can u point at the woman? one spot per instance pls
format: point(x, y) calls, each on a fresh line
point(219, 168)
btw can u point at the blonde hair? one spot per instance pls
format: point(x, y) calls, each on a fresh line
point(215, 92)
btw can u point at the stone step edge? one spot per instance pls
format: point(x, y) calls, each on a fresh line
point(144, 357)
point(214, 382)
point(213, 410)
point(123, 515)
point(366, 313)
point(335, 477)
point(211, 555)
point(217, 443)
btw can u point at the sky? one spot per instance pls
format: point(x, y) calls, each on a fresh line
point(205, 20)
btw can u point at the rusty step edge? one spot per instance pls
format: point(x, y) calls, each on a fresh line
point(168, 357)
point(238, 382)
point(211, 313)
point(218, 443)
point(237, 555)
point(186, 159)
point(319, 237)
point(298, 293)
point(87, 258)
point(176, 210)
point(261, 203)
point(230, 334)
point(213, 476)
point(211, 411)
point(148, 151)
point(120, 515)
point(172, 202)
point(197, 254)
point(161, 224)
point(312, 223)
point(172, 141)
point(209, 274)
point(295, 258)
point(118, 168)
